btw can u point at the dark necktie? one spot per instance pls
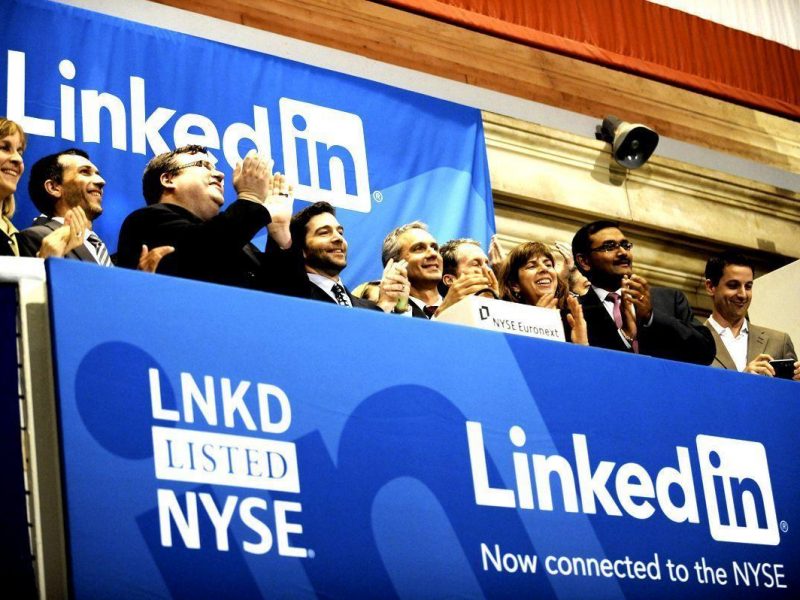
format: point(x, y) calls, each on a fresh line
point(341, 297)
point(100, 249)
point(430, 310)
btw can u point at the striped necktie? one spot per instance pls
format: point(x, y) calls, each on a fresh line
point(100, 249)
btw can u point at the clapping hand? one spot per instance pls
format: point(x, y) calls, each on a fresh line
point(279, 203)
point(67, 237)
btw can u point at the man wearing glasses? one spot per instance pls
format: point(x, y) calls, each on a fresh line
point(184, 193)
point(623, 312)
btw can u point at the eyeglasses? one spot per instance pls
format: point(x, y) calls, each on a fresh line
point(206, 164)
point(611, 246)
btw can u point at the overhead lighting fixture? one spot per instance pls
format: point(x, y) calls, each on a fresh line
point(632, 144)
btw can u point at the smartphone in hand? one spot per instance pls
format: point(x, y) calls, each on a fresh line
point(784, 368)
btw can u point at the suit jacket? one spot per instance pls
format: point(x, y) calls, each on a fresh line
point(217, 250)
point(417, 312)
point(674, 332)
point(5, 244)
point(760, 340)
point(314, 292)
point(30, 240)
point(293, 279)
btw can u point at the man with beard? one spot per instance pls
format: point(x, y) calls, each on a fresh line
point(61, 182)
point(623, 312)
point(741, 345)
point(319, 253)
point(414, 244)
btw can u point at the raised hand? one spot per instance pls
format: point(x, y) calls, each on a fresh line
point(67, 237)
point(469, 284)
point(394, 287)
point(149, 259)
point(252, 177)
point(280, 203)
point(496, 254)
point(568, 263)
point(580, 331)
point(547, 300)
point(637, 290)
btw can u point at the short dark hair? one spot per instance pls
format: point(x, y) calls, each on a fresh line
point(163, 163)
point(716, 265)
point(297, 226)
point(580, 241)
point(48, 167)
point(449, 254)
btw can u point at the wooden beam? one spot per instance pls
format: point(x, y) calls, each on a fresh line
point(408, 40)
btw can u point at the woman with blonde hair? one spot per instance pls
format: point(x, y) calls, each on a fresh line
point(58, 243)
point(12, 145)
point(529, 276)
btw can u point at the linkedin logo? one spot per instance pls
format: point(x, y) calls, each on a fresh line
point(324, 152)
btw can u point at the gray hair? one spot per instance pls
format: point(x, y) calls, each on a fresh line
point(391, 243)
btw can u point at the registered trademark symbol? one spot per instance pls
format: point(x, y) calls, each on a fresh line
point(311, 554)
point(377, 196)
point(784, 526)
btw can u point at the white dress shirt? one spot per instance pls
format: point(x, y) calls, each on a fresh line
point(736, 345)
point(326, 285)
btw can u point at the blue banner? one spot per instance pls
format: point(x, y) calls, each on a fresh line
point(124, 92)
point(227, 443)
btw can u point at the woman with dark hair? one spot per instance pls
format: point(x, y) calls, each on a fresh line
point(58, 243)
point(529, 276)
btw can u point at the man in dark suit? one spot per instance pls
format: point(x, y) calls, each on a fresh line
point(60, 182)
point(317, 257)
point(623, 312)
point(741, 345)
point(184, 193)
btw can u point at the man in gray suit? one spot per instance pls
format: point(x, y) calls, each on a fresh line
point(741, 345)
point(58, 183)
point(67, 189)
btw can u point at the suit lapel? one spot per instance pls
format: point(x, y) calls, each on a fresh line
point(722, 356)
point(81, 253)
point(317, 293)
point(756, 341)
point(417, 312)
point(601, 327)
